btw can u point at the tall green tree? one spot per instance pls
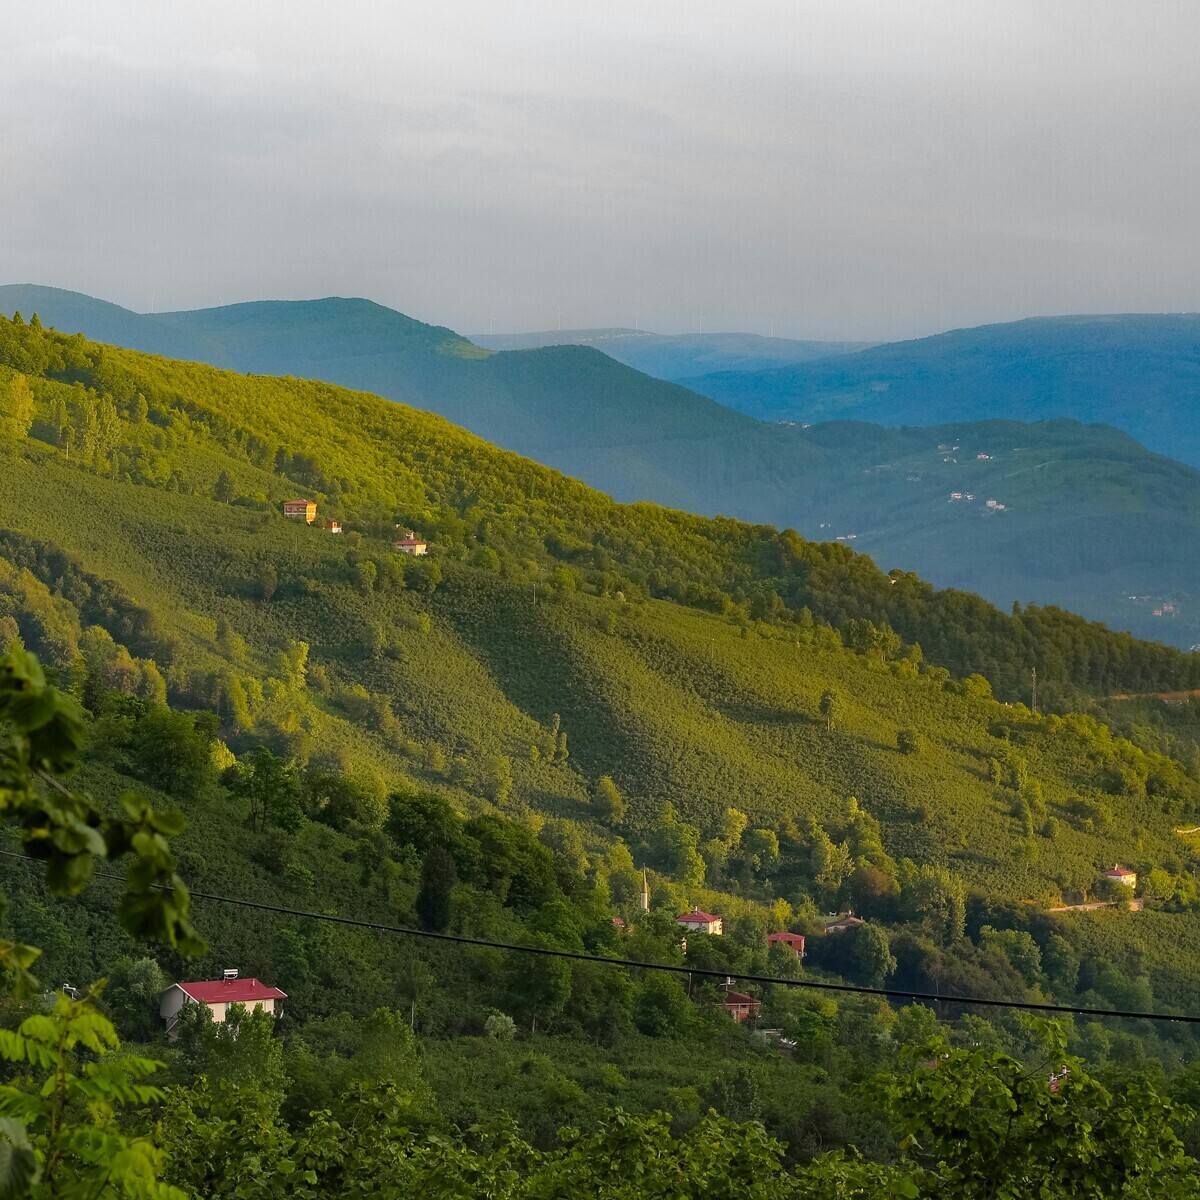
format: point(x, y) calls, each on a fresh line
point(271, 787)
point(16, 408)
point(438, 877)
point(827, 707)
point(607, 801)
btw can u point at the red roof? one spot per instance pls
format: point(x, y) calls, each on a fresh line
point(236, 991)
point(735, 999)
point(290, 502)
point(696, 917)
point(847, 922)
point(788, 939)
point(1119, 873)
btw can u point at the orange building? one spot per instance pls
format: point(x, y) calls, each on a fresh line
point(301, 510)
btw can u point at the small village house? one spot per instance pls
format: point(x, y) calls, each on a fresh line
point(332, 526)
point(841, 924)
point(218, 996)
point(739, 1005)
point(701, 922)
point(1121, 875)
point(793, 941)
point(411, 544)
point(300, 510)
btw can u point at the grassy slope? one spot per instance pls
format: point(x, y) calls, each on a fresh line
point(674, 704)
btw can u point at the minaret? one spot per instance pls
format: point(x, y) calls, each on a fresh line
point(645, 892)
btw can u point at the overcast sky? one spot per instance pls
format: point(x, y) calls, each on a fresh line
point(841, 168)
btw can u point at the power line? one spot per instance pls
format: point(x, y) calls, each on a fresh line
point(582, 956)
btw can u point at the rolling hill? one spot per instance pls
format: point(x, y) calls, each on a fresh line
point(677, 356)
point(779, 743)
point(1139, 372)
point(680, 652)
point(1091, 520)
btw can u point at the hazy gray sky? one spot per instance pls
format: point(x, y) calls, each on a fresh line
point(844, 168)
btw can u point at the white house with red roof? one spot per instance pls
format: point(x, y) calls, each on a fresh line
point(1121, 875)
point(701, 922)
point(218, 996)
point(411, 544)
point(841, 924)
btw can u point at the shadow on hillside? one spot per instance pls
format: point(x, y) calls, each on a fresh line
point(973, 856)
point(556, 804)
point(762, 714)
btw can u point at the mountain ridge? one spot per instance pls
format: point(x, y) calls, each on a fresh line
point(638, 438)
point(677, 356)
point(1137, 371)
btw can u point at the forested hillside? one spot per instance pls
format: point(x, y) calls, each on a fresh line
point(1090, 520)
point(496, 740)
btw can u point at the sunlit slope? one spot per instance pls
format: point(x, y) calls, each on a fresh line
point(674, 704)
point(255, 441)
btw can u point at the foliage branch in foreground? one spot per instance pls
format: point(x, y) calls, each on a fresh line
point(58, 1134)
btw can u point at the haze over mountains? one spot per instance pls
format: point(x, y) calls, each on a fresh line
point(1138, 371)
point(1081, 515)
point(677, 356)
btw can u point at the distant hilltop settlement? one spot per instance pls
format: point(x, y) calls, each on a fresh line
point(306, 511)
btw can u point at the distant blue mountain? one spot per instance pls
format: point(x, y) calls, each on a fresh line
point(1139, 372)
point(677, 356)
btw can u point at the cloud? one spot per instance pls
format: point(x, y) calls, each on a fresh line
point(844, 168)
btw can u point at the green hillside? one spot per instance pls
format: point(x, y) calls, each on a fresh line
point(495, 740)
point(1137, 371)
point(696, 703)
point(1092, 521)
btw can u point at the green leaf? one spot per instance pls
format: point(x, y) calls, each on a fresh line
point(19, 1169)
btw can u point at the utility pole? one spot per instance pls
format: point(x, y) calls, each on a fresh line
point(1033, 687)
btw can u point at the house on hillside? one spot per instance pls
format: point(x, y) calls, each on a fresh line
point(701, 922)
point(300, 510)
point(218, 996)
point(793, 941)
point(411, 544)
point(332, 526)
point(739, 1005)
point(1121, 875)
point(841, 924)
